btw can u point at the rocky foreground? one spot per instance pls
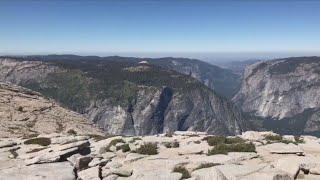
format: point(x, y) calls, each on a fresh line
point(181, 155)
point(25, 113)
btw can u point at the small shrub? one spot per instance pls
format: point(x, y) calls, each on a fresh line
point(193, 135)
point(180, 169)
point(169, 134)
point(148, 149)
point(277, 138)
point(14, 153)
point(226, 148)
point(72, 132)
point(135, 139)
point(125, 148)
point(298, 139)
point(40, 141)
point(167, 144)
point(218, 149)
point(273, 137)
point(285, 141)
point(234, 140)
point(206, 165)
point(174, 144)
point(20, 108)
point(116, 141)
point(215, 140)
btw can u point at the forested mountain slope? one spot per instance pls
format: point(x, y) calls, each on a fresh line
point(125, 97)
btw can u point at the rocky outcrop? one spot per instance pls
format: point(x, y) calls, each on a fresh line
point(24, 112)
point(80, 157)
point(21, 72)
point(120, 101)
point(286, 92)
point(160, 110)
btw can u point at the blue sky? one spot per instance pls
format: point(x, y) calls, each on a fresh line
point(163, 27)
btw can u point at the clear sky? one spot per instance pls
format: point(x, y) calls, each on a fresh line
point(128, 27)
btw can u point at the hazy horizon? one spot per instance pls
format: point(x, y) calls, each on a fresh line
point(205, 56)
point(195, 29)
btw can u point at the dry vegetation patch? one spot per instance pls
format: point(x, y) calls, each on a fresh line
point(43, 141)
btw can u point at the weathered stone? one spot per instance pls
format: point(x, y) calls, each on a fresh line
point(100, 147)
point(255, 136)
point(281, 148)
point(31, 148)
point(82, 162)
point(268, 174)
point(133, 147)
point(292, 164)
point(157, 175)
point(111, 177)
point(28, 113)
point(51, 135)
point(315, 170)
point(51, 171)
point(89, 174)
point(79, 144)
point(51, 157)
point(124, 172)
point(105, 172)
point(291, 168)
point(233, 171)
point(113, 148)
point(98, 161)
point(133, 166)
point(72, 159)
point(4, 144)
point(189, 133)
point(133, 157)
point(118, 145)
point(67, 139)
point(113, 164)
point(242, 156)
point(289, 138)
point(310, 139)
point(208, 173)
point(108, 155)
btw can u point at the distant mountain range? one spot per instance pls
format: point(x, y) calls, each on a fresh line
point(223, 81)
point(135, 96)
point(237, 67)
point(126, 96)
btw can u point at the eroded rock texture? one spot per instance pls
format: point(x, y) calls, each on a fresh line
point(24, 112)
point(286, 92)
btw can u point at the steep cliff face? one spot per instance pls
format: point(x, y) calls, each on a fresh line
point(22, 72)
point(286, 92)
point(128, 98)
point(223, 81)
point(24, 112)
point(158, 110)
